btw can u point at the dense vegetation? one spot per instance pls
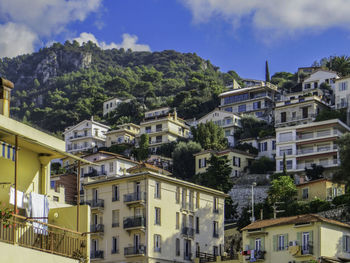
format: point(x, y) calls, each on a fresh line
point(64, 84)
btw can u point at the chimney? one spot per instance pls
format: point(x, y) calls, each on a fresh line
point(5, 96)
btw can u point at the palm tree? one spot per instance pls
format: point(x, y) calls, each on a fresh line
point(340, 65)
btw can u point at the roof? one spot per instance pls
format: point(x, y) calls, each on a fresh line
point(318, 70)
point(219, 110)
point(314, 181)
point(307, 218)
point(266, 85)
point(68, 129)
point(112, 156)
point(150, 167)
point(160, 177)
point(226, 151)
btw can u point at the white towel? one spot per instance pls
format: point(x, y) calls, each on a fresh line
point(19, 198)
point(40, 211)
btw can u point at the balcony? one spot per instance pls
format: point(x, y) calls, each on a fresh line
point(94, 173)
point(46, 238)
point(188, 231)
point(319, 134)
point(135, 251)
point(97, 228)
point(115, 224)
point(305, 250)
point(135, 198)
point(188, 256)
point(134, 222)
point(94, 204)
point(115, 251)
point(317, 150)
point(97, 254)
point(330, 163)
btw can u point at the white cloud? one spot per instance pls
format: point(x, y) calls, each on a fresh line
point(16, 39)
point(129, 41)
point(277, 15)
point(43, 18)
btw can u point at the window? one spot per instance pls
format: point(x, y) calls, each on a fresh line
point(197, 199)
point(95, 194)
point(216, 205)
point(286, 150)
point(236, 161)
point(191, 197)
point(285, 137)
point(258, 244)
point(280, 242)
point(56, 199)
point(202, 162)
point(307, 86)
point(159, 127)
point(184, 194)
point(294, 115)
point(256, 105)
point(242, 108)
point(52, 184)
point(273, 145)
point(283, 116)
point(215, 251)
point(177, 195)
point(227, 133)
point(177, 248)
point(157, 216)
point(236, 98)
point(346, 244)
point(262, 146)
point(111, 167)
point(197, 225)
point(85, 133)
point(259, 114)
point(157, 243)
point(177, 226)
point(115, 248)
point(305, 246)
point(102, 169)
point(115, 218)
point(158, 139)
point(215, 229)
point(157, 190)
point(305, 193)
point(115, 191)
point(148, 129)
point(305, 113)
point(289, 165)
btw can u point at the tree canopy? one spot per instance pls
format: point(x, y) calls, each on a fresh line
point(209, 136)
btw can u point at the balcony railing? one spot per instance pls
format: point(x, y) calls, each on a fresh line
point(131, 251)
point(216, 235)
point(324, 164)
point(94, 173)
point(97, 254)
point(44, 237)
point(188, 231)
point(307, 249)
point(133, 197)
point(99, 203)
point(134, 222)
point(115, 224)
point(97, 228)
point(188, 256)
point(320, 149)
point(115, 251)
point(312, 135)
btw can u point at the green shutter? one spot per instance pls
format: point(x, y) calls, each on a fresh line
point(286, 241)
point(344, 243)
point(311, 237)
point(299, 238)
point(263, 243)
point(251, 243)
point(274, 240)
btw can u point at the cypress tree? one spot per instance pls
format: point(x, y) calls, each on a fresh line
point(267, 72)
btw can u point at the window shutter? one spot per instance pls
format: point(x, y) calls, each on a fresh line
point(274, 240)
point(251, 244)
point(199, 163)
point(263, 243)
point(311, 237)
point(239, 162)
point(344, 243)
point(299, 238)
point(286, 241)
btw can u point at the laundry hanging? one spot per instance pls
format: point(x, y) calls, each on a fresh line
point(20, 197)
point(39, 205)
point(7, 151)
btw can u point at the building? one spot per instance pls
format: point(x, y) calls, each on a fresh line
point(150, 217)
point(111, 105)
point(297, 239)
point(162, 127)
point(342, 93)
point(228, 121)
point(160, 161)
point(323, 189)
point(317, 77)
point(255, 100)
point(85, 136)
point(63, 187)
point(25, 156)
point(297, 111)
point(266, 146)
point(252, 82)
point(307, 144)
point(125, 133)
point(305, 72)
point(238, 160)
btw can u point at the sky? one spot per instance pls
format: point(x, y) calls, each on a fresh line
point(237, 35)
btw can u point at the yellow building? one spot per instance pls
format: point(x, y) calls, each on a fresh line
point(238, 160)
point(163, 127)
point(25, 156)
point(150, 217)
point(297, 239)
point(126, 133)
point(323, 189)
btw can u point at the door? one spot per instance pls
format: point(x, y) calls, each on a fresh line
point(187, 249)
point(137, 242)
point(305, 112)
point(305, 241)
point(138, 190)
point(95, 194)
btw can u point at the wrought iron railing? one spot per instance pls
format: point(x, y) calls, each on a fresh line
point(96, 254)
point(139, 250)
point(134, 221)
point(137, 196)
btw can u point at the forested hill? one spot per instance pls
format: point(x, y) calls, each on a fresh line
point(64, 84)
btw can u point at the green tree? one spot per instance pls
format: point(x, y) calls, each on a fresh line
point(282, 189)
point(284, 165)
point(209, 136)
point(217, 175)
point(263, 165)
point(329, 114)
point(339, 64)
point(142, 150)
point(184, 161)
point(316, 172)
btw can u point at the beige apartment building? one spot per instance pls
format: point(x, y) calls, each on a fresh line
point(307, 144)
point(255, 100)
point(238, 160)
point(150, 217)
point(162, 126)
point(342, 93)
point(297, 111)
point(125, 133)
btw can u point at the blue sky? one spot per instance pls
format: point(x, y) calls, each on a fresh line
point(233, 34)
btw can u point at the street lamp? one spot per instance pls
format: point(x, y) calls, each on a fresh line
point(253, 217)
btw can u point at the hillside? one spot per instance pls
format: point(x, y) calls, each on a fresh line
point(64, 84)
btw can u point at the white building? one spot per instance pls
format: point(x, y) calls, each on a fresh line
point(307, 144)
point(342, 92)
point(85, 136)
point(227, 120)
point(110, 105)
point(317, 78)
point(266, 146)
point(256, 100)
